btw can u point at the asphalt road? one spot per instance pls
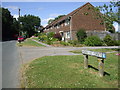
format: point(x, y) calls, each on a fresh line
point(0, 65)
point(10, 65)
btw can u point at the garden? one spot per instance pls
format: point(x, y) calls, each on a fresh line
point(82, 40)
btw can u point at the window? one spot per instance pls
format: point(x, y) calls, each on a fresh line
point(51, 28)
point(58, 26)
point(67, 34)
point(67, 22)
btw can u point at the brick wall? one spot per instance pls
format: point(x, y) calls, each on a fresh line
point(87, 19)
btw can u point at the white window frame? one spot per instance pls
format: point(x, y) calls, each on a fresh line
point(67, 34)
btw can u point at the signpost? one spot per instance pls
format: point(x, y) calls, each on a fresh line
point(100, 55)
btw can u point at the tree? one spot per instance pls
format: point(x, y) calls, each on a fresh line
point(29, 24)
point(9, 27)
point(51, 20)
point(110, 15)
point(81, 35)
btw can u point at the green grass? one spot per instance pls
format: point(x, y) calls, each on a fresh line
point(29, 42)
point(68, 72)
point(35, 38)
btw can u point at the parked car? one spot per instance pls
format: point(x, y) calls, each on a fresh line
point(20, 38)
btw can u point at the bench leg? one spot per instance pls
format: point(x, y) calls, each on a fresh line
point(85, 61)
point(101, 67)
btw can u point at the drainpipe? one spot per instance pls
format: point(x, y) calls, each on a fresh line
point(70, 27)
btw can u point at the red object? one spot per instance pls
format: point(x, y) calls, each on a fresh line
point(118, 54)
point(20, 38)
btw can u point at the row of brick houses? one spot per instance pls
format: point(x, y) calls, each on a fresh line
point(84, 17)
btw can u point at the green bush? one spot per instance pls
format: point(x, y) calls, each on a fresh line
point(42, 37)
point(108, 40)
point(64, 43)
point(50, 34)
point(81, 35)
point(93, 41)
point(73, 42)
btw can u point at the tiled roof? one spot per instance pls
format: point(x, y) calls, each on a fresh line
point(66, 16)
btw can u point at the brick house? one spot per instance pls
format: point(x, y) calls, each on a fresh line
point(83, 17)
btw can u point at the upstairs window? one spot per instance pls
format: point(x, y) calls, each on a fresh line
point(67, 22)
point(58, 26)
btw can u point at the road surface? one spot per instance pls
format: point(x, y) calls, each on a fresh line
point(0, 65)
point(10, 65)
point(13, 57)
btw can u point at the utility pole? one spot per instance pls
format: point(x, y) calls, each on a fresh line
point(19, 17)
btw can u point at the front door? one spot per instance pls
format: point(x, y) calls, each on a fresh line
point(62, 34)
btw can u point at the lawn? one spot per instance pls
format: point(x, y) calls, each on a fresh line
point(68, 72)
point(29, 42)
point(35, 38)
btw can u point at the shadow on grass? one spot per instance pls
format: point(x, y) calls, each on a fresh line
point(105, 73)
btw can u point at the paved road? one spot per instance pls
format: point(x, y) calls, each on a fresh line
point(10, 65)
point(0, 65)
point(31, 53)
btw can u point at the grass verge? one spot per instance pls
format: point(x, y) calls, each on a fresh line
point(29, 42)
point(68, 72)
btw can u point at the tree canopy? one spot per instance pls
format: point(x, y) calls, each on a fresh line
point(9, 25)
point(28, 24)
point(51, 20)
point(110, 14)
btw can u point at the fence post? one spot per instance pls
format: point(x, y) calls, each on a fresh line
point(101, 67)
point(85, 61)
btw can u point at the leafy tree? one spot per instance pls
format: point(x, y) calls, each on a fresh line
point(110, 14)
point(51, 20)
point(9, 25)
point(81, 35)
point(59, 17)
point(29, 22)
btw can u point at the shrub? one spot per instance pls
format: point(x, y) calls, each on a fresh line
point(93, 41)
point(73, 42)
point(109, 41)
point(58, 36)
point(81, 35)
point(50, 34)
point(42, 37)
point(64, 43)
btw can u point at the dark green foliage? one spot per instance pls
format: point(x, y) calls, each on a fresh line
point(81, 35)
point(93, 41)
point(50, 34)
point(64, 43)
point(9, 25)
point(29, 22)
point(51, 20)
point(109, 41)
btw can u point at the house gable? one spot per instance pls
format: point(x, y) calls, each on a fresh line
point(87, 18)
